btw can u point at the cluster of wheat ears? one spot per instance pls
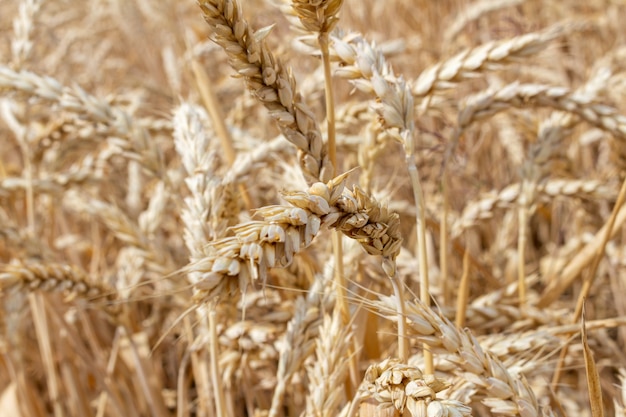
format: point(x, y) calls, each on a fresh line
point(241, 208)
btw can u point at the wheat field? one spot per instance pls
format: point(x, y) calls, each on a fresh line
point(312, 208)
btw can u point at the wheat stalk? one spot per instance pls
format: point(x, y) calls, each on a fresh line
point(620, 406)
point(320, 17)
point(192, 144)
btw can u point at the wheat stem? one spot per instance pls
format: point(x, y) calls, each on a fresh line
point(403, 341)
point(418, 195)
point(521, 252)
point(340, 280)
point(45, 346)
point(218, 390)
point(461, 305)
point(592, 272)
point(443, 237)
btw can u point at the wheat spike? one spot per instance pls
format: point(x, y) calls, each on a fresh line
point(317, 16)
point(505, 393)
point(270, 82)
point(285, 230)
point(50, 277)
point(75, 100)
point(404, 387)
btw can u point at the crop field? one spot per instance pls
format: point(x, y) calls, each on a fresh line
point(312, 208)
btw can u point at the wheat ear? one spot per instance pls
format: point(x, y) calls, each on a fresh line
point(298, 343)
point(328, 372)
point(270, 82)
point(473, 12)
point(394, 385)
point(23, 25)
point(491, 55)
point(192, 144)
point(504, 393)
point(55, 182)
point(52, 277)
point(75, 100)
point(485, 206)
point(487, 104)
point(285, 230)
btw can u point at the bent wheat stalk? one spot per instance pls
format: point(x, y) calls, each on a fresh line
point(370, 72)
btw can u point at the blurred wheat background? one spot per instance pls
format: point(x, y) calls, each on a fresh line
point(312, 208)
